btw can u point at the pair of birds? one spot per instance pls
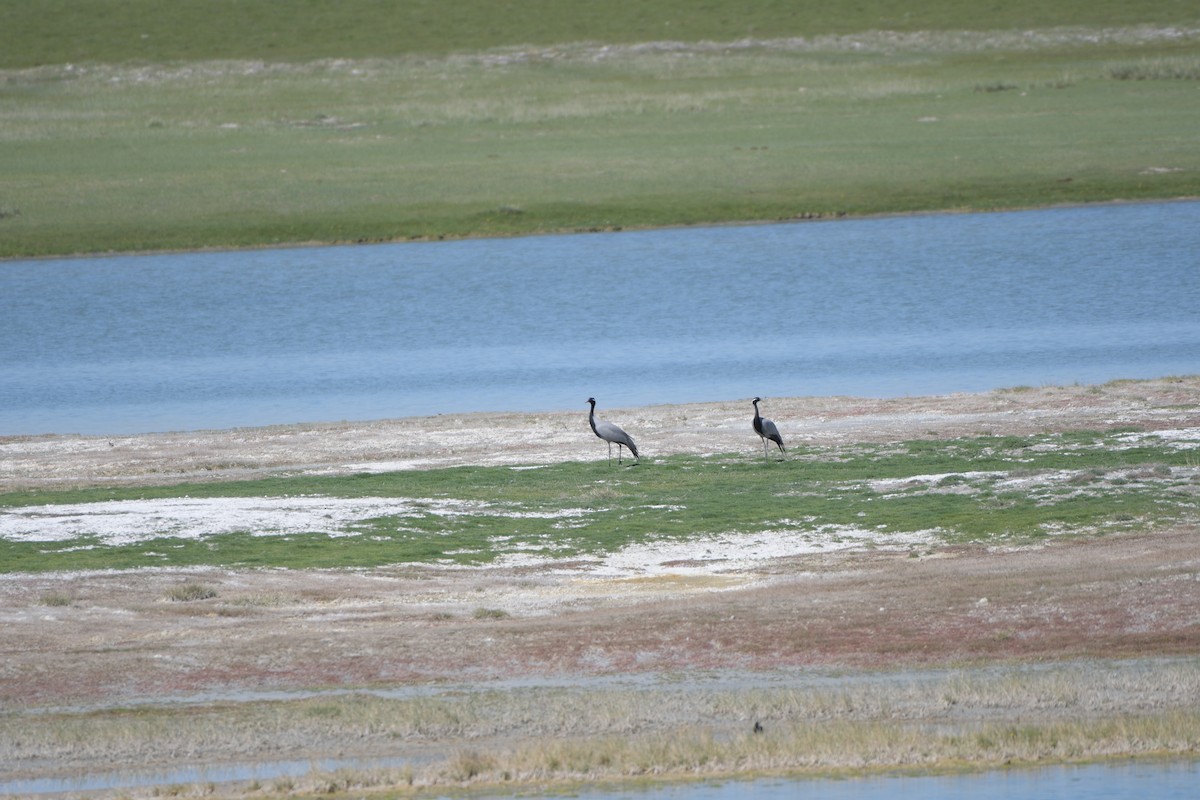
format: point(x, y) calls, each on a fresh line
point(613, 434)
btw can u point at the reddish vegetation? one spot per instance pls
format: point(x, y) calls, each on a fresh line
point(1128, 595)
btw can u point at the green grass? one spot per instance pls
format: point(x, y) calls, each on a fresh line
point(142, 31)
point(983, 489)
point(154, 125)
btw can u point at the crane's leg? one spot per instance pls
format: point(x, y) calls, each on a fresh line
point(766, 457)
point(619, 448)
point(610, 454)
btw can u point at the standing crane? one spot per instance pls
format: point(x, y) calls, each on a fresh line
point(766, 429)
point(611, 434)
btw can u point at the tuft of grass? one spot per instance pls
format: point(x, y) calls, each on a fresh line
point(468, 765)
point(55, 600)
point(490, 613)
point(998, 86)
point(190, 592)
point(1171, 68)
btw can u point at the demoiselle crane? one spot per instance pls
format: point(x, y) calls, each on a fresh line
point(766, 429)
point(611, 434)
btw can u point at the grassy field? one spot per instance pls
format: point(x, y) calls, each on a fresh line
point(238, 125)
point(989, 489)
point(149, 31)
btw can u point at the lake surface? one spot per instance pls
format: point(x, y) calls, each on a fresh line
point(1128, 781)
point(1131, 780)
point(877, 307)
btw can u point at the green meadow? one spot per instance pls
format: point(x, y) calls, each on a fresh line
point(984, 489)
point(181, 124)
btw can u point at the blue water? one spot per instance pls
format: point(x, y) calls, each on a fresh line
point(1129, 781)
point(1133, 780)
point(878, 307)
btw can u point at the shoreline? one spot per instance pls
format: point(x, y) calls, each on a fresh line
point(831, 217)
point(54, 461)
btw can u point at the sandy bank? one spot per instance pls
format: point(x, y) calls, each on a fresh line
point(28, 462)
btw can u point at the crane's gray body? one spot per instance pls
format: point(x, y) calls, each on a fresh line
point(611, 434)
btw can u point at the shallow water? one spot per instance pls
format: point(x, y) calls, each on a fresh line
point(877, 307)
point(1125, 781)
point(1131, 780)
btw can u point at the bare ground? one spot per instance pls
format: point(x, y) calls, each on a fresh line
point(113, 638)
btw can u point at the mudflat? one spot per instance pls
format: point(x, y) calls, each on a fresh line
point(1092, 628)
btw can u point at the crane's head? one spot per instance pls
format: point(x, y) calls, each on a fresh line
point(592, 400)
point(756, 400)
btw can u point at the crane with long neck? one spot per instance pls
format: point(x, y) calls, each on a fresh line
point(766, 429)
point(611, 434)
